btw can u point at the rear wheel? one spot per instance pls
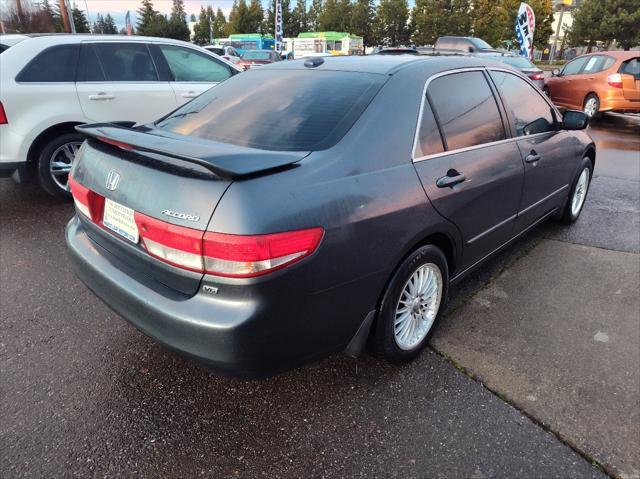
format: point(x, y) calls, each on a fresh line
point(411, 305)
point(578, 193)
point(591, 105)
point(55, 162)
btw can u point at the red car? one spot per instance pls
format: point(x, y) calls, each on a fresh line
point(254, 58)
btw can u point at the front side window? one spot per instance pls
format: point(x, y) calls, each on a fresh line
point(53, 65)
point(574, 66)
point(126, 62)
point(529, 111)
point(283, 110)
point(466, 109)
point(188, 65)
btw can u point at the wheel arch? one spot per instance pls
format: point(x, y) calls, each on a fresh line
point(41, 140)
point(590, 152)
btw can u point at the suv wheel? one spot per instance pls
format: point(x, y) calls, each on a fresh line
point(411, 305)
point(55, 162)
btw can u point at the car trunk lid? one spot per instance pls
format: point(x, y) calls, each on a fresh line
point(138, 179)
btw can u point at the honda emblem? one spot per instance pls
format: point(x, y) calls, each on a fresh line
point(113, 179)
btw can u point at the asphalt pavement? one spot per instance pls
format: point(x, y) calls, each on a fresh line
point(85, 394)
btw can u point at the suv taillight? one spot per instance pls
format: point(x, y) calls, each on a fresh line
point(537, 76)
point(615, 80)
point(220, 254)
point(3, 115)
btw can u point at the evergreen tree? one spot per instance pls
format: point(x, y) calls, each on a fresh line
point(110, 25)
point(298, 19)
point(219, 24)
point(392, 22)
point(431, 19)
point(363, 20)
point(177, 25)
point(256, 16)
point(98, 25)
point(269, 24)
point(335, 16)
point(596, 20)
point(146, 16)
point(239, 18)
point(80, 20)
point(313, 16)
point(490, 21)
point(202, 29)
point(192, 18)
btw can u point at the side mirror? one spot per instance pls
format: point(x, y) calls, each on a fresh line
point(471, 49)
point(555, 72)
point(574, 120)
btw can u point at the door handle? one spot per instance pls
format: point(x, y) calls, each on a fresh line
point(101, 96)
point(532, 158)
point(452, 179)
point(189, 94)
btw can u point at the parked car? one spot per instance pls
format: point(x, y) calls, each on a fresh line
point(254, 58)
point(225, 51)
point(52, 83)
point(598, 82)
point(453, 44)
point(302, 223)
point(535, 74)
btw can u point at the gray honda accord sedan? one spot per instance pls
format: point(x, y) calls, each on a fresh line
point(319, 206)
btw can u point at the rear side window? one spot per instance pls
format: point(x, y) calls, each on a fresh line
point(598, 63)
point(286, 110)
point(428, 141)
point(466, 109)
point(631, 67)
point(574, 66)
point(529, 111)
point(53, 65)
point(127, 62)
point(187, 65)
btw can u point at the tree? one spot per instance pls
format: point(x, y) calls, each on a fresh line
point(490, 20)
point(392, 22)
point(431, 19)
point(219, 24)
point(177, 25)
point(543, 10)
point(110, 25)
point(202, 29)
point(28, 19)
point(192, 18)
point(80, 20)
point(313, 16)
point(239, 20)
point(335, 16)
point(298, 19)
point(255, 17)
point(606, 21)
point(146, 15)
point(363, 20)
point(98, 25)
point(269, 24)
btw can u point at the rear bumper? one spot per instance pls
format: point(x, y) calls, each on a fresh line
point(248, 337)
point(621, 105)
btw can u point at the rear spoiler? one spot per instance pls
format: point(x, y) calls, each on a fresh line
point(227, 161)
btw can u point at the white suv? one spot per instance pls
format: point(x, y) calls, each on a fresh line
point(51, 83)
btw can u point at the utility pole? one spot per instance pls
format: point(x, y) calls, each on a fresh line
point(552, 54)
point(67, 18)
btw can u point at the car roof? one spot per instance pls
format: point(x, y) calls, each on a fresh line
point(387, 64)
point(59, 38)
point(620, 54)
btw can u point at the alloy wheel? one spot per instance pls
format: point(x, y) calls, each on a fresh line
point(580, 192)
point(418, 306)
point(591, 107)
point(61, 162)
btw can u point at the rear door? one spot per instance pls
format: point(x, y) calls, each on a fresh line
point(119, 81)
point(473, 175)
point(190, 71)
point(548, 154)
point(630, 71)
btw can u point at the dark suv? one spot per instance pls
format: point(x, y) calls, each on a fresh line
point(268, 223)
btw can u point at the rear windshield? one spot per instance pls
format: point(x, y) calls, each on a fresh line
point(217, 51)
point(631, 67)
point(480, 43)
point(284, 110)
point(518, 62)
point(256, 56)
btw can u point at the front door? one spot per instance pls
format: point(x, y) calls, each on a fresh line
point(118, 81)
point(547, 153)
point(472, 173)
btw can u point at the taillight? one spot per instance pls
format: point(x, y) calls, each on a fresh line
point(87, 202)
point(172, 244)
point(242, 256)
point(615, 80)
point(3, 115)
point(119, 144)
point(537, 76)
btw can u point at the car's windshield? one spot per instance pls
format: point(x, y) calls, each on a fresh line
point(285, 110)
point(256, 55)
point(518, 62)
point(480, 43)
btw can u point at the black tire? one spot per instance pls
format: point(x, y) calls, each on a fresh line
point(545, 90)
point(383, 337)
point(568, 214)
point(45, 176)
point(588, 98)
